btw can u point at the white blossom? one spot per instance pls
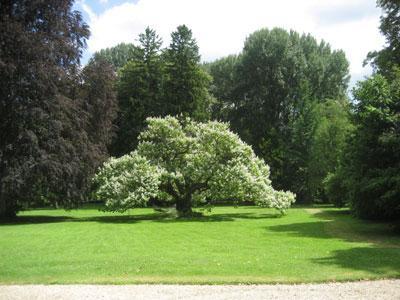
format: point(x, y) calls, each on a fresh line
point(176, 158)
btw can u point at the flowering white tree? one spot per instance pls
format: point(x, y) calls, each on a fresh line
point(188, 164)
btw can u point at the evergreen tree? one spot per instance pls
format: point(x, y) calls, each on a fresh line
point(186, 84)
point(159, 84)
point(139, 91)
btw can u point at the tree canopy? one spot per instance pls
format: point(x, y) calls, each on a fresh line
point(187, 163)
point(117, 56)
point(49, 145)
point(186, 84)
point(140, 92)
point(368, 174)
point(268, 93)
point(159, 82)
point(386, 60)
point(368, 177)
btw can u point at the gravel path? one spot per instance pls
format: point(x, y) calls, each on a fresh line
point(381, 289)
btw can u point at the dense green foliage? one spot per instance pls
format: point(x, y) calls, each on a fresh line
point(186, 84)
point(387, 59)
point(223, 85)
point(331, 128)
point(229, 245)
point(117, 56)
point(188, 164)
point(269, 93)
point(50, 143)
point(369, 173)
point(159, 82)
point(140, 92)
point(375, 149)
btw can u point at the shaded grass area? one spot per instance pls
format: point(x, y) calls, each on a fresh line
point(229, 245)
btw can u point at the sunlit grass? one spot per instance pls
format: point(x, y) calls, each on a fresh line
point(230, 245)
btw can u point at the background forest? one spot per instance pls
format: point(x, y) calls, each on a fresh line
point(285, 94)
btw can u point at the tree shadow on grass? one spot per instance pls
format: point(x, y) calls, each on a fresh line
point(383, 261)
point(382, 257)
point(130, 219)
point(306, 229)
point(332, 223)
point(25, 220)
point(164, 218)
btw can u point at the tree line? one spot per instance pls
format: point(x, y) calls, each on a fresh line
point(285, 94)
point(368, 173)
point(280, 95)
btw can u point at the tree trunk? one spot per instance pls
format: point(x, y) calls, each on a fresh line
point(7, 210)
point(184, 206)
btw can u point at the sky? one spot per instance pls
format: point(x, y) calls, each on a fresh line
point(221, 26)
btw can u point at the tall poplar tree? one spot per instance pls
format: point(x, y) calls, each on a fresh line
point(268, 93)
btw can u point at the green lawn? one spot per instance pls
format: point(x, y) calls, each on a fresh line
point(230, 245)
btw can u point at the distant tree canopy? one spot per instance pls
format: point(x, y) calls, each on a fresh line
point(117, 56)
point(160, 82)
point(269, 93)
point(223, 73)
point(188, 164)
point(48, 137)
point(331, 128)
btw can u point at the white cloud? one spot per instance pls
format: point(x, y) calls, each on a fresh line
point(86, 8)
point(221, 26)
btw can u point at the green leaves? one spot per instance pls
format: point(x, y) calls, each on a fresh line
point(368, 174)
point(186, 84)
point(159, 82)
point(118, 55)
point(267, 93)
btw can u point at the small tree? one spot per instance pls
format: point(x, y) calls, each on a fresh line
point(188, 164)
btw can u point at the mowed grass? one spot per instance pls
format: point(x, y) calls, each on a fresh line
point(230, 245)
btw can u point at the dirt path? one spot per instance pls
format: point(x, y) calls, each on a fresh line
point(381, 289)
